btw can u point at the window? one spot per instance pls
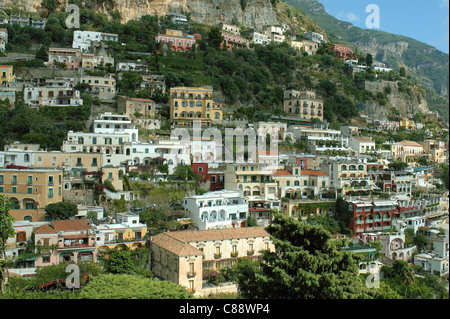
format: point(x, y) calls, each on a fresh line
point(14, 179)
point(14, 189)
point(2, 179)
point(50, 180)
point(50, 192)
point(30, 190)
point(30, 180)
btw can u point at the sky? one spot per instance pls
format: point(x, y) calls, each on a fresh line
point(425, 21)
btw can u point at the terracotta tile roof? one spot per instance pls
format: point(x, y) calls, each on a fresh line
point(410, 143)
point(178, 242)
point(219, 234)
point(45, 229)
point(143, 100)
point(313, 173)
point(68, 225)
point(174, 245)
point(281, 172)
point(363, 139)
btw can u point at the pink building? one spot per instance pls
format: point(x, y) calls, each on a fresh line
point(65, 240)
point(71, 57)
point(231, 41)
point(177, 41)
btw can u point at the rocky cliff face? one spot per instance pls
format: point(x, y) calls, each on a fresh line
point(250, 13)
point(408, 104)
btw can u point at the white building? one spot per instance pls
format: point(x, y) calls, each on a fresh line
point(394, 246)
point(83, 39)
point(116, 123)
point(220, 209)
point(276, 130)
point(432, 263)
point(56, 92)
point(321, 139)
point(106, 233)
point(173, 152)
point(314, 36)
point(362, 145)
point(112, 146)
point(3, 38)
point(260, 38)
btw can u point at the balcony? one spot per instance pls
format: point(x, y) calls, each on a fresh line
point(234, 254)
point(191, 274)
point(250, 252)
point(217, 256)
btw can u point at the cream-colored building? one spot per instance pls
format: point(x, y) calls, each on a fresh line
point(136, 108)
point(436, 149)
point(407, 151)
point(308, 46)
point(90, 60)
point(188, 104)
point(303, 104)
point(251, 179)
point(183, 256)
point(350, 176)
point(297, 183)
point(102, 87)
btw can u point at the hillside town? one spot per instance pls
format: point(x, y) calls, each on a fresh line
point(166, 175)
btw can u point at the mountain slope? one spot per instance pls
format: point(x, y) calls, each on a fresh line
point(423, 62)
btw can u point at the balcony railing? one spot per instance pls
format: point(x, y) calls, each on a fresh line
point(250, 252)
point(217, 256)
point(234, 254)
point(191, 274)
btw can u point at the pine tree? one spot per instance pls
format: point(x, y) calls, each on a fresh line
point(306, 264)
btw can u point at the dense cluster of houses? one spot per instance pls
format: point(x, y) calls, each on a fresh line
point(384, 202)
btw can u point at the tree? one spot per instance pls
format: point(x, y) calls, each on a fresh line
point(369, 59)
point(118, 261)
point(6, 231)
point(397, 166)
point(444, 175)
point(42, 53)
point(124, 286)
point(214, 37)
point(306, 264)
point(61, 210)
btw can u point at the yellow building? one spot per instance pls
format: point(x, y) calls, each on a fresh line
point(408, 124)
point(193, 103)
point(6, 74)
point(31, 190)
